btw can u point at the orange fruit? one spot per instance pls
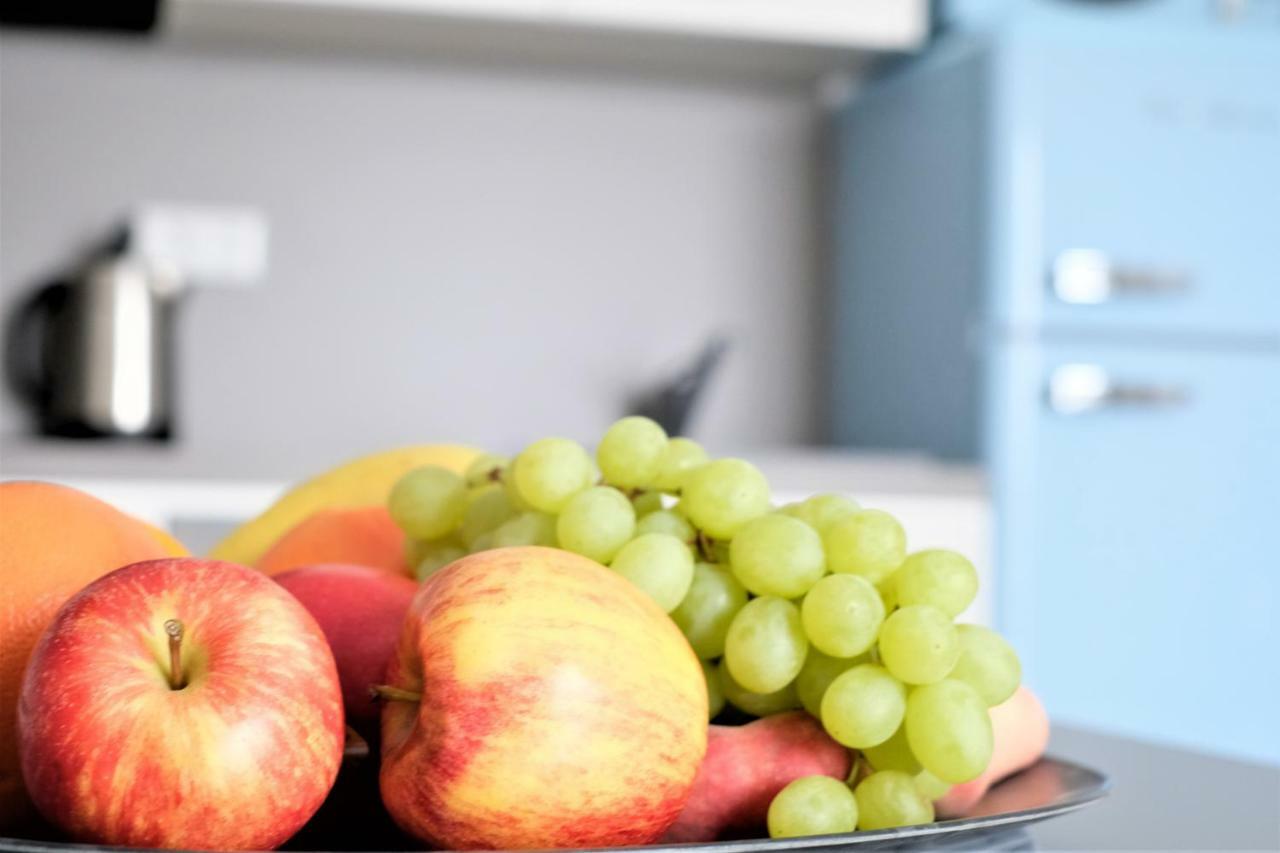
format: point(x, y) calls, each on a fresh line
point(53, 541)
point(365, 536)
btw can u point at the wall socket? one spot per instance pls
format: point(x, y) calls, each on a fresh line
point(205, 246)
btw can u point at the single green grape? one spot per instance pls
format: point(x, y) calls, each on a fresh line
point(667, 521)
point(679, 457)
point(721, 496)
point(708, 608)
point(842, 615)
point(659, 564)
point(893, 754)
point(550, 471)
point(918, 644)
point(766, 646)
point(816, 675)
point(890, 798)
point(949, 730)
point(756, 704)
point(486, 468)
point(596, 523)
point(715, 693)
point(812, 805)
point(930, 786)
point(863, 706)
point(987, 663)
point(777, 555)
point(869, 542)
point(527, 528)
point(938, 577)
point(821, 511)
point(487, 507)
point(630, 452)
point(428, 502)
point(434, 555)
point(647, 502)
point(483, 542)
point(888, 594)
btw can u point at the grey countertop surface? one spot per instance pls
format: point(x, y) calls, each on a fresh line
point(1163, 798)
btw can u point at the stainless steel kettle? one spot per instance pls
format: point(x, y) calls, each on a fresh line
point(94, 354)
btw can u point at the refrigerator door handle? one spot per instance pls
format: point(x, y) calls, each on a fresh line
point(1089, 277)
point(1077, 389)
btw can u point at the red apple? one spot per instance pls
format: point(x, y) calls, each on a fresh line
point(232, 748)
point(746, 766)
point(360, 610)
point(539, 700)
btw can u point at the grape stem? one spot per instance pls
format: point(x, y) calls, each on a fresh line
point(706, 547)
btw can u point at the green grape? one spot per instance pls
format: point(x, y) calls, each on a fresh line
point(918, 644)
point(893, 754)
point(766, 646)
point(715, 693)
point(483, 542)
point(939, 577)
point(987, 663)
point(890, 798)
point(527, 528)
point(949, 730)
point(721, 496)
point(630, 452)
point(679, 457)
point(821, 511)
point(863, 706)
point(756, 704)
point(930, 786)
point(428, 502)
point(812, 805)
point(487, 507)
point(720, 553)
point(842, 615)
point(596, 523)
point(647, 502)
point(659, 564)
point(777, 555)
point(433, 555)
point(666, 521)
point(888, 593)
point(816, 675)
point(714, 598)
point(550, 471)
point(870, 543)
point(486, 468)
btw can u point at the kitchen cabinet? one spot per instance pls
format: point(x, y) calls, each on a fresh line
point(796, 39)
point(1057, 254)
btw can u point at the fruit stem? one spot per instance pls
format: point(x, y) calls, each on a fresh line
point(387, 693)
point(356, 746)
point(706, 547)
point(177, 680)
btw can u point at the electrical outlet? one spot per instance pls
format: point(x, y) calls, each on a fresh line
point(204, 246)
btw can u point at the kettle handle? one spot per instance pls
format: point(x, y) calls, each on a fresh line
point(27, 342)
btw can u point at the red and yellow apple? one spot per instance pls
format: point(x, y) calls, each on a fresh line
point(181, 703)
point(538, 699)
point(360, 610)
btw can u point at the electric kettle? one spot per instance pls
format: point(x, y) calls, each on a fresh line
point(93, 354)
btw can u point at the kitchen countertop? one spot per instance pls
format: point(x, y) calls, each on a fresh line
point(1163, 798)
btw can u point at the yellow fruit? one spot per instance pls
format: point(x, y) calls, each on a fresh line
point(365, 481)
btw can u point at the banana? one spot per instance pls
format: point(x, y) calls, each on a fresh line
point(360, 482)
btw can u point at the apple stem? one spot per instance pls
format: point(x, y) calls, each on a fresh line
point(173, 628)
point(387, 693)
point(356, 747)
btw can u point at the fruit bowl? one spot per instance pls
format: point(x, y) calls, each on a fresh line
point(1049, 788)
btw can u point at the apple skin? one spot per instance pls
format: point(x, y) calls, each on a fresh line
point(237, 759)
point(360, 609)
point(561, 708)
point(746, 766)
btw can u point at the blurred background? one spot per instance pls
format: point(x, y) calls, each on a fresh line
point(1007, 269)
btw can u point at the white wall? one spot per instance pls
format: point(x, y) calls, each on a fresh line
point(485, 254)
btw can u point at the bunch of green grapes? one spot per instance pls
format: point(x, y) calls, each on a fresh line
point(813, 605)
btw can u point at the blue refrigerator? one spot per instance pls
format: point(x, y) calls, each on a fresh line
point(1058, 251)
